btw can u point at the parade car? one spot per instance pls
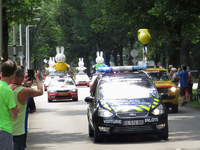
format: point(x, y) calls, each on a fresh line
point(82, 80)
point(47, 81)
point(125, 103)
point(62, 89)
point(164, 84)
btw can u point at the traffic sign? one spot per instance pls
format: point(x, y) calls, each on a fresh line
point(134, 53)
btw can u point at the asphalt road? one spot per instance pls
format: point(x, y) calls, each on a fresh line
point(63, 126)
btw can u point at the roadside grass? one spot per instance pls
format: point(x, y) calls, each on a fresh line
point(194, 102)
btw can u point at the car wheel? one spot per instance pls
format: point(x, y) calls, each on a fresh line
point(75, 99)
point(175, 108)
point(164, 135)
point(49, 100)
point(90, 131)
point(97, 139)
point(45, 89)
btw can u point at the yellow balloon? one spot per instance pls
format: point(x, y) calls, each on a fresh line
point(144, 36)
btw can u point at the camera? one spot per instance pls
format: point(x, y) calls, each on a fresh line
point(31, 75)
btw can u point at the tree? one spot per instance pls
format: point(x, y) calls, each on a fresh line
point(16, 12)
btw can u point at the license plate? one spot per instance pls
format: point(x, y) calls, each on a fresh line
point(63, 94)
point(83, 83)
point(133, 122)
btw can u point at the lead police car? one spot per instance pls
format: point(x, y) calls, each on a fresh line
point(124, 101)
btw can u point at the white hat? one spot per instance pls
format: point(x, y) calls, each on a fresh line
point(174, 69)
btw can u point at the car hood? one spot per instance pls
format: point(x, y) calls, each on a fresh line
point(66, 87)
point(164, 84)
point(135, 105)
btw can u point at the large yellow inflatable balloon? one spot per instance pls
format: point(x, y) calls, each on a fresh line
point(144, 36)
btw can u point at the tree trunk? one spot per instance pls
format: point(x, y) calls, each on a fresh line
point(187, 50)
point(107, 61)
point(157, 58)
point(120, 48)
point(5, 36)
point(87, 64)
point(115, 57)
point(132, 40)
point(174, 57)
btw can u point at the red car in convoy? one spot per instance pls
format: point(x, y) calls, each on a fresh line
point(62, 89)
point(82, 80)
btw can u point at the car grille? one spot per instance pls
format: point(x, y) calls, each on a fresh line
point(63, 91)
point(172, 97)
point(63, 96)
point(133, 128)
point(163, 90)
point(136, 114)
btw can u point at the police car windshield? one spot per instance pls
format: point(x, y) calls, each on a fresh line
point(159, 75)
point(123, 88)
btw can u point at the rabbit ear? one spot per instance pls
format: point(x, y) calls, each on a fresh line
point(62, 50)
point(53, 58)
point(97, 54)
point(57, 50)
point(82, 59)
point(79, 59)
point(101, 54)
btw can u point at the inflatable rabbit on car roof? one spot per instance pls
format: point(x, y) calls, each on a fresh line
point(51, 63)
point(60, 58)
point(81, 67)
point(99, 60)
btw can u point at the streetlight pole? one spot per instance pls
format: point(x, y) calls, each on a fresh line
point(20, 43)
point(27, 47)
point(14, 43)
point(27, 44)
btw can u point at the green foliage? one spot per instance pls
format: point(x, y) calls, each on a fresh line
point(84, 27)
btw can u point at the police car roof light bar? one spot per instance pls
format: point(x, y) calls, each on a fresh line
point(120, 68)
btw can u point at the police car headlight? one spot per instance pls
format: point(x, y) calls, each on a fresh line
point(104, 113)
point(73, 90)
point(52, 91)
point(158, 110)
point(173, 89)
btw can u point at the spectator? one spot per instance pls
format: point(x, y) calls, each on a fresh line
point(158, 65)
point(21, 95)
point(183, 83)
point(175, 77)
point(8, 108)
point(29, 109)
point(170, 71)
point(189, 94)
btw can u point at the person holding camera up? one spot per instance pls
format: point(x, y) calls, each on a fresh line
point(21, 95)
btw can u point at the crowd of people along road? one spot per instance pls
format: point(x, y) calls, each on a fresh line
point(15, 94)
point(184, 76)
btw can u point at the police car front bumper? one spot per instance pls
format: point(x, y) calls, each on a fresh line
point(150, 125)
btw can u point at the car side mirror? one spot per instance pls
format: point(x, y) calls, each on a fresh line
point(89, 99)
point(164, 96)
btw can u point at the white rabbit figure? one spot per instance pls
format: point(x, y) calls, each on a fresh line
point(81, 67)
point(99, 60)
point(60, 58)
point(51, 63)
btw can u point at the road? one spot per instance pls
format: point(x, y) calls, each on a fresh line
point(63, 126)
